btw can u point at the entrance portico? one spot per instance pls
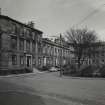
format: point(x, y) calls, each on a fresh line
point(28, 60)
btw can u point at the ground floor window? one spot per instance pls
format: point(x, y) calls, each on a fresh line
point(48, 61)
point(89, 62)
point(39, 61)
point(44, 61)
point(34, 61)
point(21, 60)
point(14, 59)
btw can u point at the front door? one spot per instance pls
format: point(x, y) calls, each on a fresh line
point(28, 61)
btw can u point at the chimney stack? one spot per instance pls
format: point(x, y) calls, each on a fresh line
point(31, 24)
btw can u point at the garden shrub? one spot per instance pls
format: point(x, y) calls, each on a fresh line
point(87, 70)
point(102, 71)
point(69, 69)
point(45, 68)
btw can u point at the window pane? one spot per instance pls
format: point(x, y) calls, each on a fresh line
point(33, 35)
point(14, 43)
point(22, 60)
point(21, 31)
point(21, 44)
point(28, 33)
point(28, 45)
point(33, 47)
point(14, 60)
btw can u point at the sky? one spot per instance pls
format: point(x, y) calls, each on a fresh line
point(57, 16)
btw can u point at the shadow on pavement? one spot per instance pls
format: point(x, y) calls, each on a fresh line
point(11, 94)
point(20, 99)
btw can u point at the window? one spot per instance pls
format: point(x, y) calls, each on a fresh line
point(16, 30)
point(61, 52)
point(14, 43)
point(55, 51)
point(33, 35)
point(47, 50)
point(48, 61)
point(33, 46)
point(102, 54)
point(39, 50)
point(14, 60)
point(34, 61)
point(21, 31)
point(21, 60)
point(24, 31)
point(21, 44)
point(13, 28)
point(44, 49)
point(28, 33)
point(58, 51)
point(51, 53)
point(39, 61)
point(28, 45)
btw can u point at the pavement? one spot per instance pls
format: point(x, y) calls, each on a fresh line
point(50, 89)
point(35, 72)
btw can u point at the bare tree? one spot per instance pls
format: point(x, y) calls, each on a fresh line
point(81, 41)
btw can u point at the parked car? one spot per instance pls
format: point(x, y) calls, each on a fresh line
point(97, 74)
point(58, 68)
point(53, 69)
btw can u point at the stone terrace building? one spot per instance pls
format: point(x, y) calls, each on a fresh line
point(19, 45)
point(99, 56)
point(54, 54)
point(96, 55)
point(22, 46)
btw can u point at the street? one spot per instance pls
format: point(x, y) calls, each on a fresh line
point(50, 89)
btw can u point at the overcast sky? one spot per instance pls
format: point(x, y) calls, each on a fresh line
point(57, 16)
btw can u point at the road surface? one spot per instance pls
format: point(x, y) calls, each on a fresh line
point(50, 89)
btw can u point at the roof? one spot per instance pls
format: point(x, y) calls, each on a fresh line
point(46, 40)
point(6, 17)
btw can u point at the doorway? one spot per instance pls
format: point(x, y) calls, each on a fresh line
point(28, 61)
